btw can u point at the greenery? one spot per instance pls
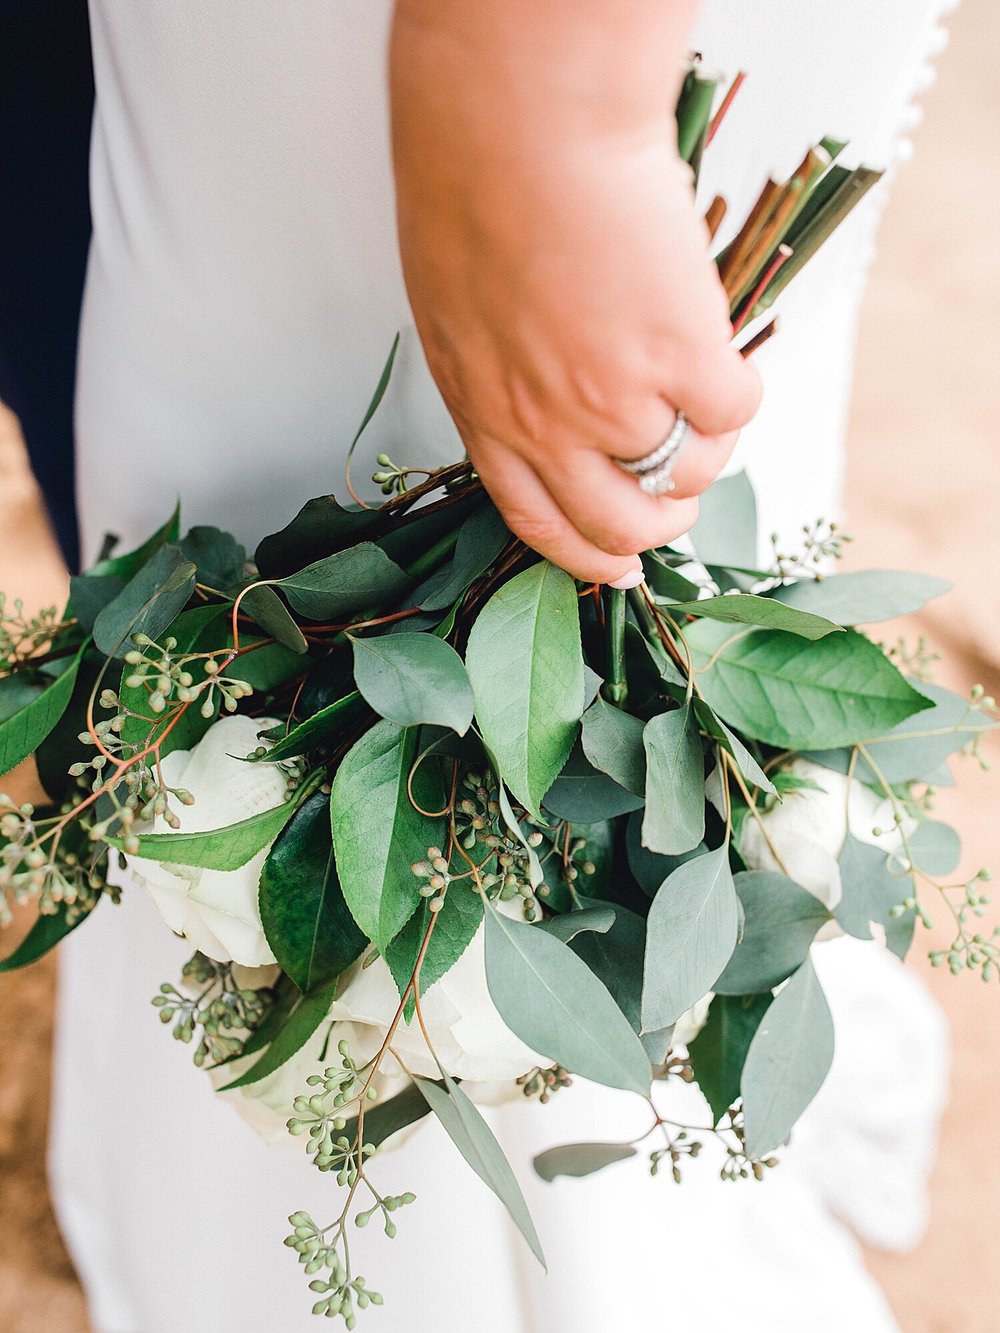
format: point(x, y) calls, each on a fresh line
point(473, 746)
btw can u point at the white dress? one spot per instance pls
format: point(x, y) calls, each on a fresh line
point(243, 291)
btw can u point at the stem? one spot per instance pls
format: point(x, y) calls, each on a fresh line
point(616, 685)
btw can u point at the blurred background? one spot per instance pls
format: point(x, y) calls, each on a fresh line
point(923, 469)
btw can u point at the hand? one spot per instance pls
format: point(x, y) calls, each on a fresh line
point(561, 284)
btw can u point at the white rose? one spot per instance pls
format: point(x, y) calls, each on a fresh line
point(472, 1041)
point(216, 910)
point(805, 832)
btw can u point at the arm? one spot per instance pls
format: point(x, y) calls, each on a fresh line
point(558, 271)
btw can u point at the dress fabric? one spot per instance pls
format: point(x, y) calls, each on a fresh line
point(243, 290)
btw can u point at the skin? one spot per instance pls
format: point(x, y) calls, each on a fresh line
point(557, 269)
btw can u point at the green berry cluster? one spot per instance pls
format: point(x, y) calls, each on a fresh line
point(168, 678)
point(222, 1012)
point(337, 1290)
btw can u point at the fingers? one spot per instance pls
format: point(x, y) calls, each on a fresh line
point(533, 515)
point(723, 396)
point(607, 506)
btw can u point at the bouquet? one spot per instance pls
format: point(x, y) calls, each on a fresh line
point(433, 815)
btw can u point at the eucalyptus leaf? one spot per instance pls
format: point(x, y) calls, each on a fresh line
point(361, 576)
point(795, 694)
point(615, 957)
point(726, 531)
point(550, 999)
point(780, 922)
point(650, 869)
point(665, 581)
point(864, 597)
point(787, 1063)
point(674, 820)
point(414, 679)
point(219, 557)
point(303, 1021)
point(89, 594)
point(719, 1051)
point(612, 741)
point(321, 527)
point(24, 730)
point(580, 1159)
point(481, 539)
point(691, 933)
point(378, 833)
point(567, 925)
point(525, 662)
point(477, 1143)
point(749, 609)
point(306, 922)
point(263, 605)
point(583, 794)
point(913, 749)
point(148, 604)
point(872, 885)
point(936, 848)
point(731, 743)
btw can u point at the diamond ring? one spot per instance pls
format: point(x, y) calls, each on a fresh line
point(654, 470)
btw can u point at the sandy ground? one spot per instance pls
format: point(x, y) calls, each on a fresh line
point(923, 471)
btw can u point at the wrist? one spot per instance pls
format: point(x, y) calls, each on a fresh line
point(543, 67)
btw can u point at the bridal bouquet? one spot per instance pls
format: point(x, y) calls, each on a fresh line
point(435, 816)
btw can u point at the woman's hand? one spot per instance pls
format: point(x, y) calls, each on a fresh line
point(557, 269)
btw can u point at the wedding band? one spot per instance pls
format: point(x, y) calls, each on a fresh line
point(654, 470)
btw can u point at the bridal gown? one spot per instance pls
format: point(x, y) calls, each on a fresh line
point(243, 291)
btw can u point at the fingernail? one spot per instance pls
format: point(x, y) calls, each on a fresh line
point(630, 580)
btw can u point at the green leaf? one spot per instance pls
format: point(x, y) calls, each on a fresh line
point(219, 849)
point(912, 750)
point(612, 741)
point(126, 566)
point(414, 679)
point(476, 1142)
point(797, 694)
point(321, 527)
point(567, 925)
point(456, 924)
point(864, 597)
point(25, 729)
point(550, 999)
point(726, 531)
point(303, 1021)
point(526, 666)
point(580, 1159)
point(341, 583)
point(219, 557)
point(743, 608)
point(665, 581)
point(649, 869)
point(936, 848)
point(615, 957)
point(787, 1063)
point(302, 908)
point(44, 935)
point(872, 886)
point(148, 604)
point(719, 1051)
point(780, 921)
point(583, 794)
point(319, 729)
point(481, 539)
point(691, 932)
point(263, 605)
point(384, 1119)
point(377, 832)
point(674, 820)
point(731, 743)
point(89, 594)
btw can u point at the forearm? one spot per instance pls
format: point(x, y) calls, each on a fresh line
point(597, 65)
